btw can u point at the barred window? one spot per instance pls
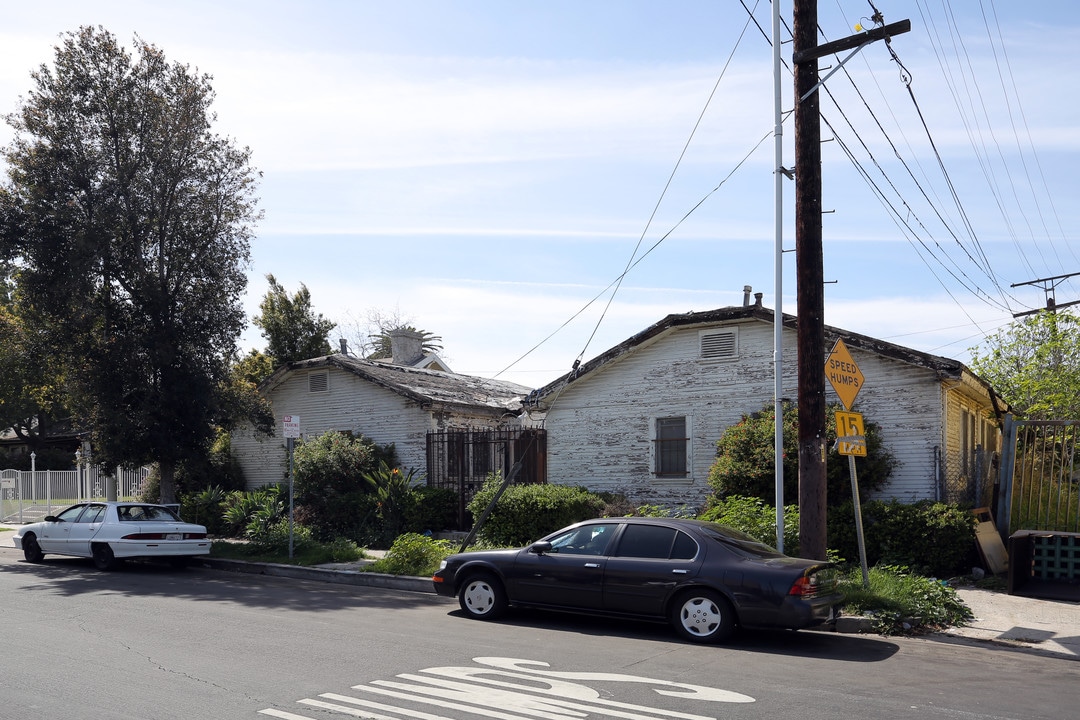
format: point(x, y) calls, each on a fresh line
point(671, 446)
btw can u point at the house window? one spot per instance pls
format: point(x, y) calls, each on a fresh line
point(719, 344)
point(318, 381)
point(670, 448)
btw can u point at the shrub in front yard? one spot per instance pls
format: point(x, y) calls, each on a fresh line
point(329, 484)
point(930, 538)
point(413, 554)
point(756, 518)
point(525, 513)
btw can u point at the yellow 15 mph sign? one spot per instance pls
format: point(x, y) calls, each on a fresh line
point(850, 437)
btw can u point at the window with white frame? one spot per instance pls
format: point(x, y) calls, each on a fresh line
point(669, 449)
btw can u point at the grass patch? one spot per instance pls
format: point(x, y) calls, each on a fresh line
point(902, 603)
point(304, 553)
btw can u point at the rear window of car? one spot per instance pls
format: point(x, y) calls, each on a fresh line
point(739, 540)
point(144, 513)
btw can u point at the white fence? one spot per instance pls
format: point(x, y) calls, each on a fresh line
point(27, 496)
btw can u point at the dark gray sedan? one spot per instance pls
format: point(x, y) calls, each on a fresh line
point(705, 579)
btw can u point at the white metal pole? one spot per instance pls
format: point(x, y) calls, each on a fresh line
point(778, 282)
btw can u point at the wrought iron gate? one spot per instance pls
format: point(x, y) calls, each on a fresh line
point(1040, 476)
point(462, 460)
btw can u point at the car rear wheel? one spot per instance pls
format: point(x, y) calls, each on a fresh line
point(482, 597)
point(703, 616)
point(103, 557)
point(31, 549)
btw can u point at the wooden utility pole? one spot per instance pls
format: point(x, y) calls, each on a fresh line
point(810, 264)
point(810, 286)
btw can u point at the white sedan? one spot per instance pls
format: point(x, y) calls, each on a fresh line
point(109, 532)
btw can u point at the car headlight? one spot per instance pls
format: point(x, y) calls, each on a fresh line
point(442, 565)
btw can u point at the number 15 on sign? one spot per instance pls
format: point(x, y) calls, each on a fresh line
point(850, 436)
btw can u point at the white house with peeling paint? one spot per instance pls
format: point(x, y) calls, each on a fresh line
point(643, 418)
point(397, 401)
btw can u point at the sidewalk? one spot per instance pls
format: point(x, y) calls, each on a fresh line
point(1046, 627)
point(1043, 626)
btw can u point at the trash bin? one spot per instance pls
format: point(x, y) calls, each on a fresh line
point(1044, 564)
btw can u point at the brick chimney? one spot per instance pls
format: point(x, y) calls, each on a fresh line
point(406, 346)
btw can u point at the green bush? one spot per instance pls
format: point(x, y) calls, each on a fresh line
point(746, 459)
point(393, 489)
point(329, 483)
point(413, 554)
point(756, 518)
point(273, 537)
point(431, 509)
point(240, 509)
point(205, 507)
point(928, 537)
point(527, 512)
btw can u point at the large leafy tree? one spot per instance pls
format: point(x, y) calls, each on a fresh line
point(293, 331)
point(130, 220)
point(1034, 364)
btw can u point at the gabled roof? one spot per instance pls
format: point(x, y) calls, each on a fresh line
point(944, 368)
point(425, 387)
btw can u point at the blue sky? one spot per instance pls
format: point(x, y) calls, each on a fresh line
point(485, 169)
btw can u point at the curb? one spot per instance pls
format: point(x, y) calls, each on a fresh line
point(318, 574)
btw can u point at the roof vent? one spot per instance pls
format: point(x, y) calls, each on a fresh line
point(716, 344)
point(318, 381)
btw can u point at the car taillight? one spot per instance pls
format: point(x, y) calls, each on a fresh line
point(163, 536)
point(809, 586)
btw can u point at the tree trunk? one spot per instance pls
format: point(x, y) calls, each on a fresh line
point(167, 482)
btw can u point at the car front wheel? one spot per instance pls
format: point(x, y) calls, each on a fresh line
point(482, 597)
point(703, 616)
point(31, 549)
point(103, 557)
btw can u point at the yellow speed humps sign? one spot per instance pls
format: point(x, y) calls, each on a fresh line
point(850, 436)
point(843, 374)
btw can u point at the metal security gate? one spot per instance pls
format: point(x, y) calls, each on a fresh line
point(27, 496)
point(1040, 476)
point(461, 460)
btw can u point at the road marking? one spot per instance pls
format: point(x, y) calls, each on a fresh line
point(519, 689)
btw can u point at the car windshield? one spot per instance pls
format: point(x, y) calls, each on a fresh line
point(739, 540)
point(143, 513)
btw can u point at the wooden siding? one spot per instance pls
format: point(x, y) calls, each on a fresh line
point(599, 427)
point(350, 404)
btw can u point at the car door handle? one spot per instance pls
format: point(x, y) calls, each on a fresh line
point(592, 565)
point(679, 572)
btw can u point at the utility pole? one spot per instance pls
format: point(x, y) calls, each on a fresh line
point(810, 286)
point(809, 259)
point(1049, 285)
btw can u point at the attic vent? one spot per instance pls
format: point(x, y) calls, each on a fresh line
point(723, 344)
point(318, 381)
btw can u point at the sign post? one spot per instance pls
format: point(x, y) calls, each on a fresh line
point(847, 380)
point(291, 432)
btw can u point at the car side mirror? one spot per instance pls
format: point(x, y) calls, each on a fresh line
point(540, 547)
point(51, 518)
